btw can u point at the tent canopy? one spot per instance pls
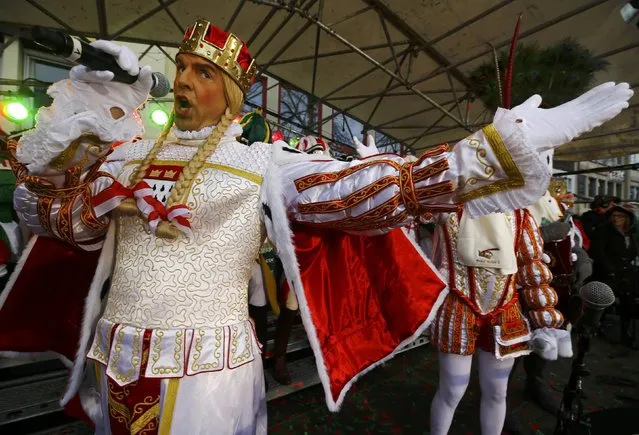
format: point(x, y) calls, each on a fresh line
point(398, 66)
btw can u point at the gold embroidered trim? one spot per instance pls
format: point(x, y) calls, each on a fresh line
point(431, 170)
point(247, 354)
point(151, 414)
point(196, 355)
point(351, 200)
point(407, 190)
point(514, 178)
point(157, 353)
point(313, 180)
point(135, 357)
point(250, 176)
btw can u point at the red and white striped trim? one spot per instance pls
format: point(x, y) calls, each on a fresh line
point(179, 216)
point(152, 209)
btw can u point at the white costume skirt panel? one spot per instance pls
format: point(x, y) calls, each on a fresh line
point(229, 402)
point(226, 402)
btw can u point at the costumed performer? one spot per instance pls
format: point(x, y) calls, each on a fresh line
point(485, 260)
point(174, 350)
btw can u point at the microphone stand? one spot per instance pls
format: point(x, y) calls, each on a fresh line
point(570, 420)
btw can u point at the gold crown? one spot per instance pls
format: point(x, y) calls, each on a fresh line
point(225, 58)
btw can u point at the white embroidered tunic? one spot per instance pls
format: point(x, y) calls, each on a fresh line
point(192, 293)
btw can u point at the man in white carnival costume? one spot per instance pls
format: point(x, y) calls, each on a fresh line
point(177, 223)
point(488, 262)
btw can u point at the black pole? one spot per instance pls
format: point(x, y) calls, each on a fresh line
point(570, 419)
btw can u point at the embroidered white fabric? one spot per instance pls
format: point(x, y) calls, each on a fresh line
point(25, 204)
point(466, 171)
point(173, 353)
point(527, 160)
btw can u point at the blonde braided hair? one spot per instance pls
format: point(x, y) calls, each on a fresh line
point(234, 101)
point(128, 206)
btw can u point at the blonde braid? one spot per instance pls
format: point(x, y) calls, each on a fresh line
point(234, 99)
point(128, 206)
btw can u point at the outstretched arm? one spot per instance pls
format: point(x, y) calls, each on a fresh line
point(61, 164)
point(497, 169)
point(540, 299)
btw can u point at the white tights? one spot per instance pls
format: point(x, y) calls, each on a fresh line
point(454, 375)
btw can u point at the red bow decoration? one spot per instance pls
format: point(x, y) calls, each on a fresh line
point(152, 209)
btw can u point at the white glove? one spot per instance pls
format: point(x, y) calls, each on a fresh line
point(549, 343)
point(551, 128)
point(545, 258)
point(366, 150)
point(106, 93)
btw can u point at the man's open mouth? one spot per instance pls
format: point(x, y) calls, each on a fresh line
point(182, 106)
point(183, 102)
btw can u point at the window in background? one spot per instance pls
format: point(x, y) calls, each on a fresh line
point(581, 185)
point(256, 97)
point(300, 113)
point(387, 144)
point(602, 187)
point(592, 187)
point(44, 68)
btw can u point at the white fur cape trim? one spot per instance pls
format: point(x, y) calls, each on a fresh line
point(92, 310)
point(16, 272)
point(280, 234)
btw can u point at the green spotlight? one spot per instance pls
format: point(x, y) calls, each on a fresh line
point(159, 117)
point(16, 111)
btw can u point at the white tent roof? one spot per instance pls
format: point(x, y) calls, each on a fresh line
point(400, 66)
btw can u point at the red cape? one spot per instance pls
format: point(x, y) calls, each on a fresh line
point(367, 297)
point(43, 310)
point(364, 297)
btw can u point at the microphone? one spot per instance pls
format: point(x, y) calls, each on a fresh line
point(596, 297)
point(62, 44)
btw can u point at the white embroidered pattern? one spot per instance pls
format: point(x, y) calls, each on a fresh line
point(201, 282)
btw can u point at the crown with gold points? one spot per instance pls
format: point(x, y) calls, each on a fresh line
point(224, 49)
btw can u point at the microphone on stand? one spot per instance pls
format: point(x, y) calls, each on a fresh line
point(74, 49)
point(596, 297)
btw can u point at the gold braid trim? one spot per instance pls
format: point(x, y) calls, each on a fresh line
point(48, 194)
point(407, 189)
point(514, 178)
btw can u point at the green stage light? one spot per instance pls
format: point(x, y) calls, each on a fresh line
point(16, 111)
point(159, 117)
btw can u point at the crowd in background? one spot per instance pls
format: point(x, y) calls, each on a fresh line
point(611, 228)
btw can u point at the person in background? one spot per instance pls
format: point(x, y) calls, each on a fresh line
point(614, 251)
point(597, 214)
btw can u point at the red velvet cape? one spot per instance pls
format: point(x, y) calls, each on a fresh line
point(365, 298)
